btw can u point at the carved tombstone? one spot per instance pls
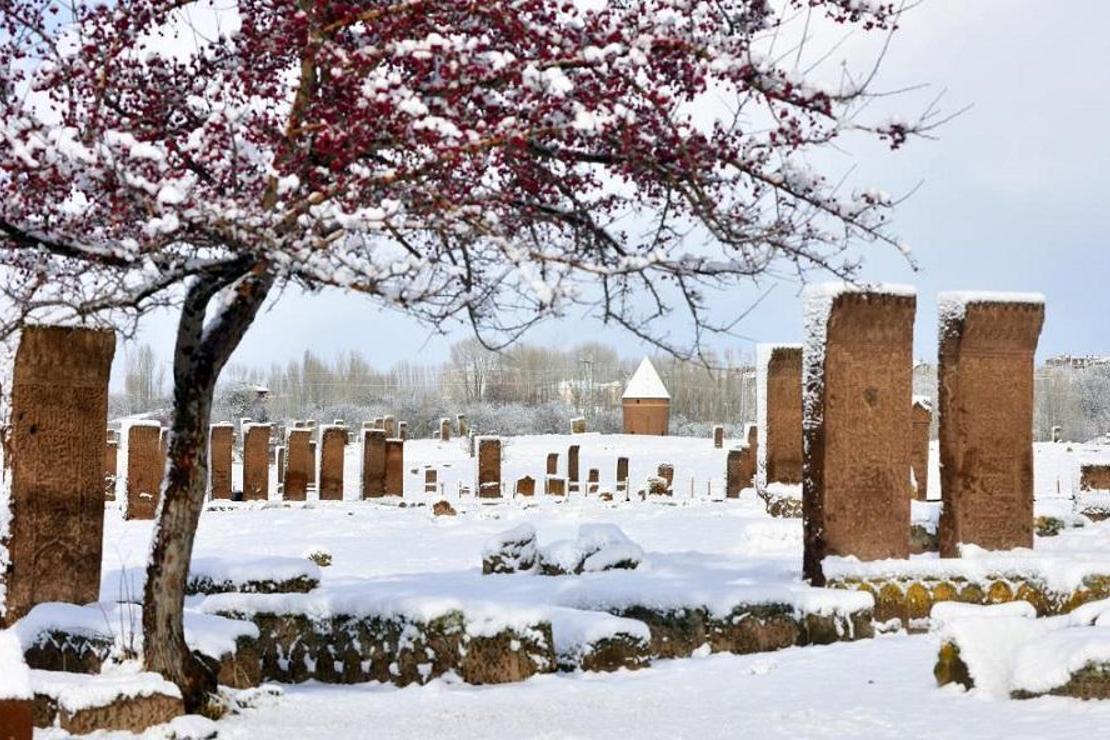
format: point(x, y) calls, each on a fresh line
point(145, 467)
point(553, 463)
point(445, 430)
point(256, 462)
point(389, 425)
point(373, 463)
point(1094, 477)
point(733, 473)
point(578, 425)
point(572, 467)
point(463, 427)
point(780, 381)
point(593, 480)
point(59, 409)
point(431, 480)
point(402, 430)
point(922, 420)
point(859, 383)
point(526, 486)
point(394, 467)
point(622, 473)
point(221, 439)
point(333, 441)
point(555, 485)
point(985, 381)
point(489, 467)
point(751, 462)
point(298, 463)
point(718, 436)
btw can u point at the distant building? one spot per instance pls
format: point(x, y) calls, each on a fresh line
point(1076, 362)
point(646, 402)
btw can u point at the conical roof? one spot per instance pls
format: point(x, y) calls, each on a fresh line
point(646, 383)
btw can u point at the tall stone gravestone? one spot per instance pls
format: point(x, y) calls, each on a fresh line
point(111, 455)
point(221, 439)
point(445, 430)
point(718, 436)
point(145, 468)
point(858, 388)
point(59, 409)
point(373, 463)
point(394, 467)
point(780, 414)
point(552, 463)
point(333, 441)
point(922, 421)
point(572, 468)
point(622, 473)
point(298, 463)
point(256, 462)
point(389, 425)
point(489, 467)
point(987, 343)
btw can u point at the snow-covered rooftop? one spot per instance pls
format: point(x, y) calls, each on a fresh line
point(646, 383)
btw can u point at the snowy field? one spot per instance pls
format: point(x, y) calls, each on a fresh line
point(870, 689)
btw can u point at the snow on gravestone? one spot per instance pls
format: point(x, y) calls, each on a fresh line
point(256, 462)
point(333, 442)
point(59, 407)
point(858, 367)
point(298, 462)
point(373, 463)
point(142, 454)
point(489, 467)
point(394, 467)
point(985, 378)
point(221, 438)
point(779, 413)
point(922, 421)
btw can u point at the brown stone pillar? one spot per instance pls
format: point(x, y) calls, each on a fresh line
point(221, 440)
point(922, 421)
point(779, 379)
point(333, 441)
point(718, 436)
point(578, 425)
point(555, 485)
point(256, 462)
point(58, 435)
point(593, 480)
point(666, 472)
point(145, 469)
point(526, 486)
point(572, 468)
point(859, 384)
point(445, 430)
point(463, 427)
point(298, 464)
point(733, 473)
point(403, 430)
point(553, 463)
point(489, 467)
point(373, 463)
point(985, 380)
point(622, 473)
point(394, 467)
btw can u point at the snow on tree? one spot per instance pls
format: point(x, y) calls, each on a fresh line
point(497, 162)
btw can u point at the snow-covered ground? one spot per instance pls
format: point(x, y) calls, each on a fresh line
point(875, 688)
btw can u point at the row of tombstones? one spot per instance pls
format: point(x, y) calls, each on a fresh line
point(490, 480)
point(841, 420)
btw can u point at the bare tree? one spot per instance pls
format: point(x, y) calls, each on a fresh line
point(495, 162)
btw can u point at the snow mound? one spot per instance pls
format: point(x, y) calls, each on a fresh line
point(598, 547)
point(15, 679)
point(511, 551)
point(74, 692)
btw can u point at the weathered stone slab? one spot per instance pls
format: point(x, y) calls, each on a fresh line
point(111, 455)
point(526, 486)
point(221, 440)
point(431, 480)
point(402, 430)
point(298, 463)
point(593, 480)
point(780, 386)
point(256, 462)
point(312, 454)
point(145, 468)
point(734, 465)
point(859, 386)
point(987, 343)
point(445, 430)
point(922, 421)
point(578, 425)
point(373, 463)
point(279, 466)
point(553, 463)
point(58, 436)
point(622, 473)
point(718, 436)
point(489, 467)
point(389, 424)
point(1094, 477)
point(333, 441)
point(394, 467)
point(666, 472)
point(555, 485)
point(16, 719)
point(462, 425)
point(572, 468)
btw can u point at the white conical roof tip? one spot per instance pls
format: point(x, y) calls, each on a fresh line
point(646, 383)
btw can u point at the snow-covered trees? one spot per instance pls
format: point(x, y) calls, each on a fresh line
point(495, 161)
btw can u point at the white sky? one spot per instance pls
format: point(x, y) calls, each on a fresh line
point(1013, 196)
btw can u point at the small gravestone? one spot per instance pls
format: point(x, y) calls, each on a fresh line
point(734, 466)
point(298, 463)
point(622, 473)
point(57, 436)
point(256, 462)
point(389, 425)
point(553, 463)
point(666, 472)
point(718, 436)
point(144, 470)
point(431, 480)
point(444, 430)
point(111, 453)
point(333, 443)
point(922, 420)
point(221, 439)
point(312, 456)
point(1094, 477)
point(526, 486)
point(578, 425)
point(593, 479)
point(489, 467)
point(779, 369)
point(555, 485)
point(463, 427)
point(572, 468)
point(985, 380)
point(394, 467)
point(402, 430)
point(373, 463)
point(279, 466)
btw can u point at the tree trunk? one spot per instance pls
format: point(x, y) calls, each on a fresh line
point(200, 353)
